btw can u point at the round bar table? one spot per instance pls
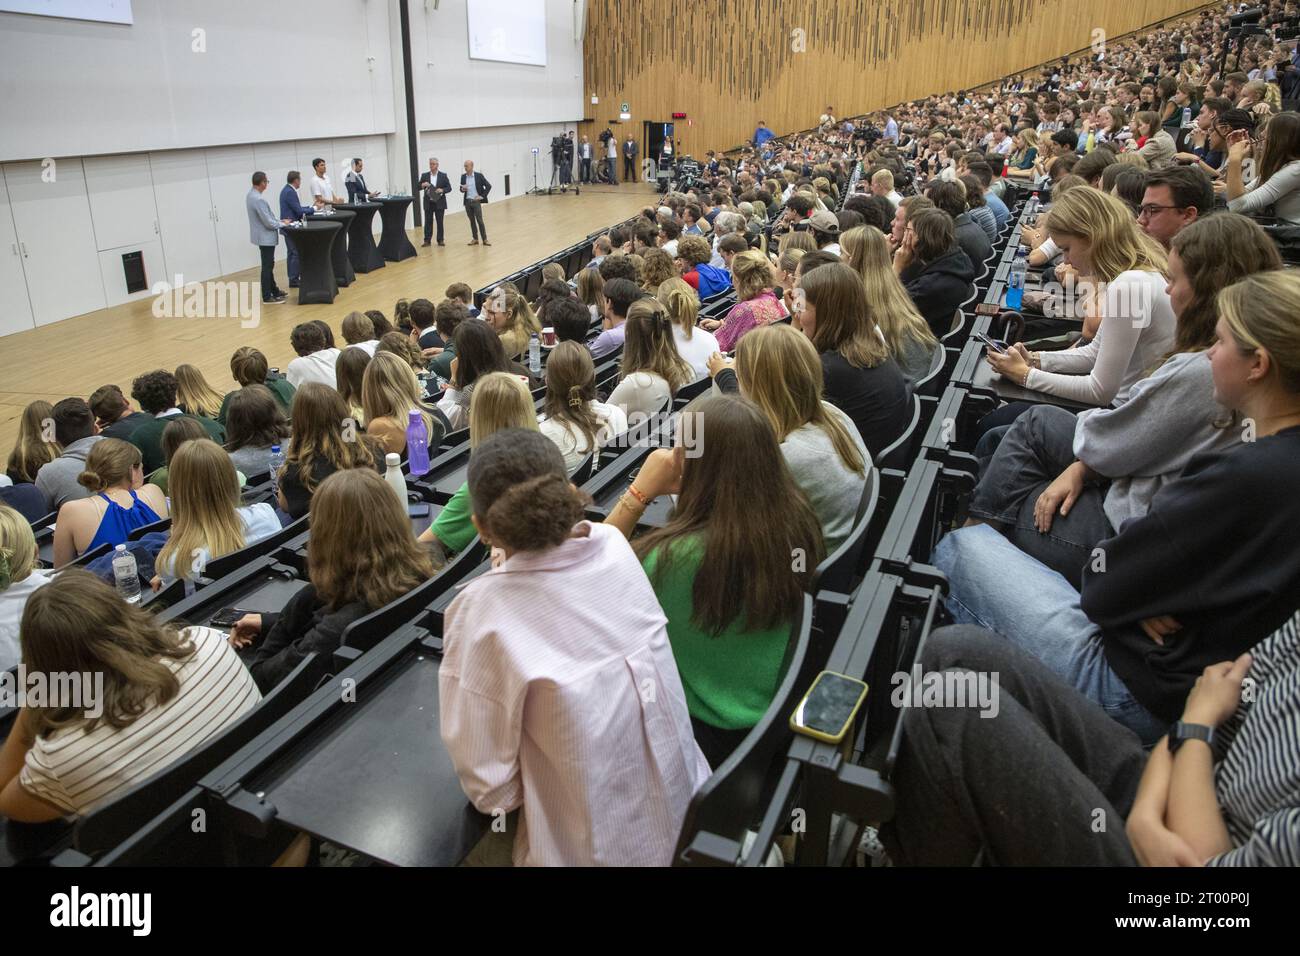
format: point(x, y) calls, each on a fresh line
point(362, 252)
point(315, 240)
point(342, 263)
point(394, 243)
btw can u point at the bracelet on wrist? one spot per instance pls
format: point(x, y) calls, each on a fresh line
point(632, 505)
point(641, 497)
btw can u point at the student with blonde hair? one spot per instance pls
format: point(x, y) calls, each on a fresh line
point(756, 303)
point(389, 393)
point(512, 318)
point(208, 518)
point(573, 417)
point(651, 371)
point(866, 250)
point(359, 330)
point(36, 443)
point(194, 395)
point(694, 344)
point(591, 292)
point(501, 400)
point(19, 578)
point(113, 474)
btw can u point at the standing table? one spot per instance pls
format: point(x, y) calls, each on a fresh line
point(362, 252)
point(315, 240)
point(394, 244)
point(339, 255)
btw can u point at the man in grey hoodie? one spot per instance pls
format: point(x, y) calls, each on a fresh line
point(76, 431)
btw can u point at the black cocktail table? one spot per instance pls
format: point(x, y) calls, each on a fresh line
point(315, 240)
point(362, 252)
point(339, 255)
point(394, 244)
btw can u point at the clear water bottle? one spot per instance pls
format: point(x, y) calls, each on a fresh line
point(277, 462)
point(534, 354)
point(393, 475)
point(1187, 117)
point(1031, 209)
point(126, 575)
point(1016, 280)
point(417, 444)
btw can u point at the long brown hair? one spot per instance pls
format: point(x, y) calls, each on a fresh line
point(318, 417)
point(31, 450)
point(78, 624)
point(254, 419)
point(844, 322)
point(1281, 145)
point(349, 373)
point(648, 345)
point(571, 388)
point(361, 546)
point(745, 573)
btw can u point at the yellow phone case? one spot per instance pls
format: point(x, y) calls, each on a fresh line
point(817, 734)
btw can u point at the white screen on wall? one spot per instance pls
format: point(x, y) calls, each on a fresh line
point(105, 11)
point(512, 31)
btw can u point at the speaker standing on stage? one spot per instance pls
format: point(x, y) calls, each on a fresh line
point(322, 190)
point(630, 149)
point(435, 186)
point(264, 232)
point(476, 188)
point(584, 157)
point(356, 184)
point(292, 210)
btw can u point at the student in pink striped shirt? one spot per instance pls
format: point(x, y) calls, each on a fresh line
point(559, 691)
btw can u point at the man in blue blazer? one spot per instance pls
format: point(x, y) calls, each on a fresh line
point(434, 185)
point(292, 210)
point(264, 232)
point(476, 188)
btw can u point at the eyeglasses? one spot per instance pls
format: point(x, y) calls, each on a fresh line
point(1150, 209)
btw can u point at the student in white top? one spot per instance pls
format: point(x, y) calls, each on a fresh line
point(315, 362)
point(164, 694)
point(572, 418)
point(19, 579)
point(1127, 269)
point(652, 370)
point(542, 683)
point(322, 190)
point(694, 344)
point(208, 520)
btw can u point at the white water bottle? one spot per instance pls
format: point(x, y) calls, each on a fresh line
point(393, 475)
point(534, 354)
point(276, 463)
point(126, 575)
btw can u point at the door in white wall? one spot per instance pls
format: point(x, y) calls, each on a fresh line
point(230, 173)
point(185, 214)
point(126, 220)
point(15, 306)
point(51, 216)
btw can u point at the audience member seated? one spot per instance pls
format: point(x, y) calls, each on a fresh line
point(860, 377)
point(540, 691)
point(1277, 170)
point(254, 425)
point(447, 317)
point(59, 763)
point(1205, 574)
point(390, 392)
point(511, 318)
point(933, 268)
point(19, 579)
point(651, 370)
point(112, 475)
point(195, 395)
point(74, 433)
point(37, 444)
point(359, 330)
point(590, 289)
point(570, 320)
point(1174, 198)
point(361, 555)
point(208, 520)
point(401, 345)
point(478, 352)
point(694, 261)
point(156, 394)
point(321, 444)
point(316, 359)
point(423, 331)
point(694, 343)
point(177, 433)
point(572, 416)
point(114, 414)
point(619, 294)
point(951, 198)
point(248, 366)
point(756, 304)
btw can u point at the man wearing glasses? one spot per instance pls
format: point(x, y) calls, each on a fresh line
point(1175, 198)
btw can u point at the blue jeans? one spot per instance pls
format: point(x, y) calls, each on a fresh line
point(995, 585)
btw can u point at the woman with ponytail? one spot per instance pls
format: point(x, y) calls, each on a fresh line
point(652, 370)
point(552, 662)
point(114, 474)
point(694, 344)
point(573, 418)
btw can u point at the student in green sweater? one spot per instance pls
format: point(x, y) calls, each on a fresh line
point(248, 366)
point(730, 584)
point(156, 393)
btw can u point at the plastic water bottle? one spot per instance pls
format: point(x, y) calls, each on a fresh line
point(126, 575)
point(417, 444)
point(277, 462)
point(1187, 116)
point(1031, 209)
point(534, 354)
point(393, 475)
point(1016, 280)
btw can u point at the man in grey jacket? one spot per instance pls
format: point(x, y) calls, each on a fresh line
point(76, 431)
point(264, 232)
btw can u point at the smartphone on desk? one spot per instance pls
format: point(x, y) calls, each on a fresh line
point(827, 711)
point(996, 345)
point(227, 617)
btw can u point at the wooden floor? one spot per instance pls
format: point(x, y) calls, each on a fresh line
point(112, 346)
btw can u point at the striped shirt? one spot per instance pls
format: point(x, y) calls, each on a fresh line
point(76, 770)
point(1257, 754)
point(559, 693)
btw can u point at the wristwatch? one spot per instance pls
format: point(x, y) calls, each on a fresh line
point(1182, 731)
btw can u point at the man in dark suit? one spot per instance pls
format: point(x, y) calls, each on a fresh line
point(435, 185)
point(476, 188)
point(630, 149)
point(292, 209)
point(356, 184)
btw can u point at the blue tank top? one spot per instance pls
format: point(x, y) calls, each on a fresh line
point(118, 522)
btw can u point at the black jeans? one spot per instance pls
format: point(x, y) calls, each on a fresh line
point(1032, 453)
point(1048, 781)
point(584, 170)
point(430, 216)
point(474, 210)
point(629, 168)
point(269, 288)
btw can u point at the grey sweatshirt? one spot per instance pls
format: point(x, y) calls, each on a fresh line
point(833, 491)
point(1170, 416)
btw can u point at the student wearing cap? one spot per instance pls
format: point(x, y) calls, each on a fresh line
point(826, 231)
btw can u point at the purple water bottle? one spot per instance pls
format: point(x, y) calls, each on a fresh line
point(417, 445)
